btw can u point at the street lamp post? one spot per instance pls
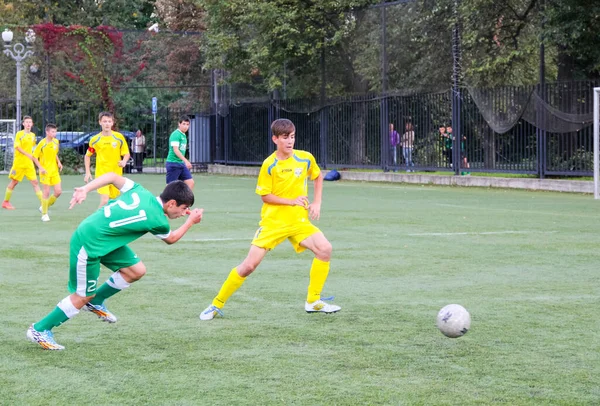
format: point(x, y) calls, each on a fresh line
point(19, 52)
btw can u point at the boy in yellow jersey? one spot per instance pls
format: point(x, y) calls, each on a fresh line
point(23, 163)
point(112, 154)
point(47, 153)
point(283, 187)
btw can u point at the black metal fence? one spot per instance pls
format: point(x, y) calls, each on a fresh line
point(544, 131)
point(530, 130)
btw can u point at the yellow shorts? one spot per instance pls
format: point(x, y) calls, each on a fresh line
point(109, 190)
point(18, 173)
point(50, 179)
point(269, 236)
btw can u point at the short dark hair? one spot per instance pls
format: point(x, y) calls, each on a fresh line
point(51, 126)
point(282, 126)
point(105, 114)
point(179, 191)
point(184, 118)
point(27, 118)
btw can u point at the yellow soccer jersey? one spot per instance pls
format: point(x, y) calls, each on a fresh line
point(287, 179)
point(108, 149)
point(27, 143)
point(46, 152)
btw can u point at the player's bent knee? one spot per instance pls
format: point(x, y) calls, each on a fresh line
point(133, 273)
point(246, 268)
point(323, 251)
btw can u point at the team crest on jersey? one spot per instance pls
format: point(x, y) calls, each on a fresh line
point(298, 172)
point(114, 144)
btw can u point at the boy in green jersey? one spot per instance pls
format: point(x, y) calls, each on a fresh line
point(177, 165)
point(102, 238)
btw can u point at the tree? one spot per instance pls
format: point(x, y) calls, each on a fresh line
point(572, 27)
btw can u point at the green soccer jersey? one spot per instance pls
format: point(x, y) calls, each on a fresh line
point(179, 140)
point(123, 220)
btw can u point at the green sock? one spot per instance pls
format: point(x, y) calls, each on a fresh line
point(112, 286)
point(104, 292)
point(54, 319)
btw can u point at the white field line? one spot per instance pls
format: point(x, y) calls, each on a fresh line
point(502, 209)
point(482, 233)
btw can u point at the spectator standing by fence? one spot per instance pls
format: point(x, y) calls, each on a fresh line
point(394, 141)
point(447, 140)
point(138, 145)
point(408, 142)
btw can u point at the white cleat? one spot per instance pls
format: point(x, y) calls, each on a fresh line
point(210, 312)
point(101, 311)
point(45, 218)
point(321, 306)
point(44, 338)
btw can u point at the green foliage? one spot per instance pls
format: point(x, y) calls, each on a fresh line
point(572, 26)
point(580, 160)
point(72, 161)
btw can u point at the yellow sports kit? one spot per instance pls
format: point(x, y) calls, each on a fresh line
point(22, 165)
point(109, 150)
point(287, 179)
point(46, 152)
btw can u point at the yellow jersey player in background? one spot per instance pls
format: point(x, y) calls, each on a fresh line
point(47, 153)
point(23, 163)
point(112, 154)
point(283, 186)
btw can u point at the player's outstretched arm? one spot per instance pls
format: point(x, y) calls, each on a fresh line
point(80, 193)
point(195, 216)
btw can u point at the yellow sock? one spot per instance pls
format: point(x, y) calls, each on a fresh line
point(7, 194)
point(233, 282)
point(39, 195)
point(51, 200)
point(318, 275)
point(45, 204)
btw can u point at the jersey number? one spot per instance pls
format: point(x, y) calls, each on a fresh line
point(140, 216)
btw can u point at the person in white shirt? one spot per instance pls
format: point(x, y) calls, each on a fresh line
point(138, 145)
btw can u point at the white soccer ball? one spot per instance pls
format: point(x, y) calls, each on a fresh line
point(453, 321)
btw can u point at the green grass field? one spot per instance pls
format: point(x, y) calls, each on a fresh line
point(525, 264)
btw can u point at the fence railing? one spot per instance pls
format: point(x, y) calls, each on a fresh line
point(541, 130)
point(530, 130)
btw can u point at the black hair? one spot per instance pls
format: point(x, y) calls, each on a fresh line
point(179, 191)
point(50, 126)
point(184, 118)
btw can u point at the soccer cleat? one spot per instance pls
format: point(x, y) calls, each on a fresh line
point(40, 209)
point(321, 306)
point(101, 311)
point(6, 205)
point(210, 313)
point(44, 338)
point(45, 218)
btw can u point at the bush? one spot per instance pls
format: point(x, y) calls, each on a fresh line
point(72, 161)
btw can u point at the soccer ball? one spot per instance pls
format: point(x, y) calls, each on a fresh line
point(453, 321)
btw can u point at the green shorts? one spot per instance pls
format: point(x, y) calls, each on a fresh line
point(85, 270)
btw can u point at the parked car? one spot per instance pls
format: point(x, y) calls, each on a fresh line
point(81, 143)
point(7, 144)
point(67, 136)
